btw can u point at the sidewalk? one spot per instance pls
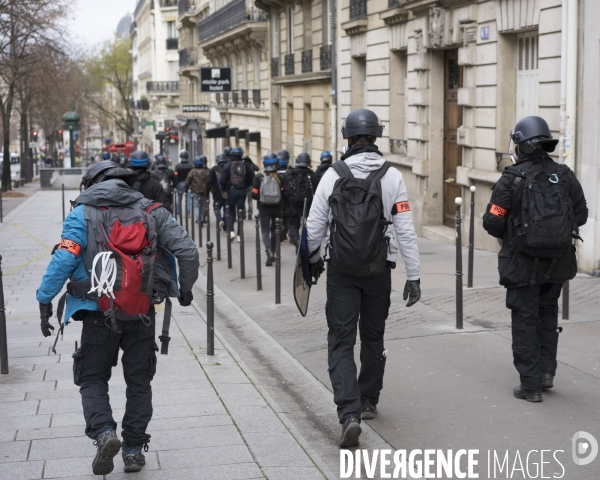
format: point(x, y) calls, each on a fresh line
point(210, 419)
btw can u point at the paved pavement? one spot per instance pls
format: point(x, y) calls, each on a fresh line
point(210, 418)
point(443, 388)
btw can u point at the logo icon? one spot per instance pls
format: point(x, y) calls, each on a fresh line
point(584, 446)
point(215, 73)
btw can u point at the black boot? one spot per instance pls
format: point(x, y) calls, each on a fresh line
point(350, 432)
point(270, 258)
point(368, 411)
point(518, 392)
point(547, 380)
point(134, 458)
point(108, 445)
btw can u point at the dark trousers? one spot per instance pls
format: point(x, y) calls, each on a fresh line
point(267, 229)
point(93, 362)
point(236, 199)
point(219, 209)
point(294, 228)
point(534, 331)
point(353, 301)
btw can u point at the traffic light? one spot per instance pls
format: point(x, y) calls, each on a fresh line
point(60, 135)
point(34, 136)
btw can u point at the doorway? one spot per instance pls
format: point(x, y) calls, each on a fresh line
point(452, 120)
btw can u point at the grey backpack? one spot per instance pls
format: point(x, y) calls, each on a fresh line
point(270, 191)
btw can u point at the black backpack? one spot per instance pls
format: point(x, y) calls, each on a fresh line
point(238, 174)
point(542, 219)
point(302, 187)
point(358, 246)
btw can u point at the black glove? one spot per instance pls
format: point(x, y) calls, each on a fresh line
point(316, 269)
point(392, 265)
point(185, 298)
point(412, 291)
point(45, 314)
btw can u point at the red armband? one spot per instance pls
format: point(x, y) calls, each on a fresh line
point(400, 207)
point(498, 211)
point(69, 246)
point(255, 190)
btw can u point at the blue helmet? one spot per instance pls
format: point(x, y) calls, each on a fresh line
point(200, 161)
point(105, 155)
point(270, 162)
point(139, 159)
point(237, 152)
point(326, 157)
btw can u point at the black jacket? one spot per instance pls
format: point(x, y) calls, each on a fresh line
point(212, 184)
point(166, 177)
point(225, 179)
point(182, 170)
point(516, 268)
point(296, 202)
point(149, 187)
point(321, 169)
point(286, 193)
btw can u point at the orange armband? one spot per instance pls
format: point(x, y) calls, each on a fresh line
point(70, 246)
point(400, 207)
point(498, 211)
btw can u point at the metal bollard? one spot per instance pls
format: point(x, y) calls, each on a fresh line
point(208, 224)
point(217, 206)
point(3, 340)
point(471, 239)
point(210, 303)
point(459, 274)
point(185, 206)
point(565, 301)
point(63, 200)
point(229, 228)
point(193, 221)
point(200, 221)
point(1, 213)
point(258, 265)
point(242, 252)
point(277, 261)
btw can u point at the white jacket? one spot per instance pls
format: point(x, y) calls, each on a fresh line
point(393, 192)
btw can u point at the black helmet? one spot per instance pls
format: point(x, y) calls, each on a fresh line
point(530, 131)
point(139, 159)
point(326, 157)
point(246, 159)
point(362, 123)
point(183, 155)
point(102, 171)
point(303, 160)
point(270, 162)
point(161, 161)
point(221, 158)
point(283, 155)
point(227, 151)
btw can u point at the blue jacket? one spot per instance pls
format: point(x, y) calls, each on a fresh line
point(66, 265)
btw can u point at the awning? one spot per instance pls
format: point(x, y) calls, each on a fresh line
point(231, 132)
point(241, 134)
point(218, 132)
point(253, 136)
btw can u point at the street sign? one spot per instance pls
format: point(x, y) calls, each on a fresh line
point(195, 108)
point(215, 80)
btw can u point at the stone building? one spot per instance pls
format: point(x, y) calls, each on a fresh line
point(300, 70)
point(449, 79)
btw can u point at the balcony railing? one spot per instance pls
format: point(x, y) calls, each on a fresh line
point(306, 61)
point(186, 6)
point(289, 64)
point(256, 98)
point(139, 104)
point(188, 57)
point(393, 3)
point(325, 57)
point(275, 67)
point(172, 43)
point(168, 3)
point(162, 86)
point(358, 9)
point(244, 98)
point(231, 15)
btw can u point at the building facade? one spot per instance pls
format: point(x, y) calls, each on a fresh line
point(155, 72)
point(449, 79)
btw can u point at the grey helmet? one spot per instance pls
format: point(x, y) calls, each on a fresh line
point(184, 157)
point(105, 170)
point(303, 160)
point(362, 123)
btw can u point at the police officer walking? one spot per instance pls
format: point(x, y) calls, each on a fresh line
point(145, 183)
point(360, 261)
point(181, 172)
point(110, 220)
point(536, 209)
point(196, 181)
point(326, 160)
point(166, 178)
point(212, 185)
point(303, 183)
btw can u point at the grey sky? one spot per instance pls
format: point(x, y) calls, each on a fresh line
point(95, 21)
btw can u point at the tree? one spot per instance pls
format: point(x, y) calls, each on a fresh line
point(110, 80)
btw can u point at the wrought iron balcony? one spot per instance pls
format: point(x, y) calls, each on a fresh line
point(256, 98)
point(325, 57)
point(289, 64)
point(275, 67)
point(231, 15)
point(244, 98)
point(172, 43)
point(358, 9)
point(393, 3)
point(168, 3)
point(139, 104)
point(306, 61)
point(188, 58)
point(162, 86)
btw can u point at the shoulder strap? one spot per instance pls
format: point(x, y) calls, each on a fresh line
point(378, 174)
point(342, 169)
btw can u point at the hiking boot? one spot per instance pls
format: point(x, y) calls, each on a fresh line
point(519, 392)
point(368, 411)
point(108, 445)
point(547, 380)
point(270, 258)
point(350, 432)
point(221, 226)
point(133, 458)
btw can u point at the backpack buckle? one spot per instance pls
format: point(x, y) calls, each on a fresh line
point(553, 178)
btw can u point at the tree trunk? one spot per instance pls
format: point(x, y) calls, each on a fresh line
point(23, 142)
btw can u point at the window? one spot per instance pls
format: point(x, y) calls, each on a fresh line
point(307, 24)
point(358, 82)
point(527, 75)
point(290, 120)
point(290, 30)
point(171, 30)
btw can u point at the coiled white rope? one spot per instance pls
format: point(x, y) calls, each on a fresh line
point(104, 284)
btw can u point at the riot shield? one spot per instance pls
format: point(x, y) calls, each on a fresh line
point(302, 277)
